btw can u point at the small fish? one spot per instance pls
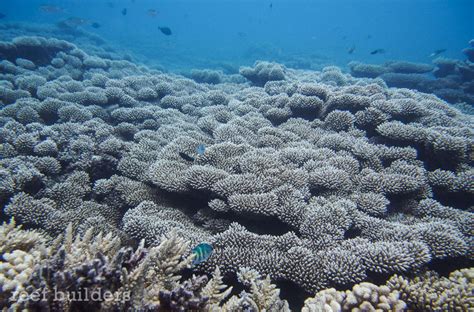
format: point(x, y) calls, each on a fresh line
point(271, 5)
point(152, 12)
point(201, 149)
point(202, 252)
point(95, 25)
point(2, 15)
point(378, 51)
point(437, 52)
point(72, 22)
point(51, 9)
point(165, 30)
point(124, 11)
point(351, 50)
point(186, 156)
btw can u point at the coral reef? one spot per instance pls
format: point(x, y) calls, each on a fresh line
point(451, 80)
point(70, 274)
point(317, 179)
point(362, 297)
point(262, 72)
point(430, 292)
point(85, 272)
point(427, 292)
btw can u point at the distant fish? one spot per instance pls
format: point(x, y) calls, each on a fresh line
point(72, 22)
point(437, 52)
point(378, 51)
point(95, 25)
point(51, 9)
point(271, 5)
point(152, 12)
point(369, 36)
point(201, 149)
point(186, 156)
point(351, 49)
point(202, 252)
point(124, 11)
point(165, 30)
point(2, 15)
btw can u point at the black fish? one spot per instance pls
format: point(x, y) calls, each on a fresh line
point(437, 52)
point(186, 156)
point(95, 25)
point(2, 15)
point(351, 50)
point(165, 30)
point(378, 51)
point(124, 11)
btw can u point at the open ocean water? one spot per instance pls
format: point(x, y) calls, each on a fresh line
point(241, 32)
point(237, 155)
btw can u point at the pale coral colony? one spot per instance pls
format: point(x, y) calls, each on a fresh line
point(357, 195)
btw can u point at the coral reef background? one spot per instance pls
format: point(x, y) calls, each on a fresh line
point(317, 189)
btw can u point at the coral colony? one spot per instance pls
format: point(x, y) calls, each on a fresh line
point(139, 190)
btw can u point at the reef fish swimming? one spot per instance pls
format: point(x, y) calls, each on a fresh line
point(351, 50)
point(202, 252)
point(377, 51)
point(165, 30)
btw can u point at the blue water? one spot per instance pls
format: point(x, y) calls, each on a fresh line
point(240, 32)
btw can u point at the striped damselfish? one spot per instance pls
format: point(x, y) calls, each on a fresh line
point(202, 252)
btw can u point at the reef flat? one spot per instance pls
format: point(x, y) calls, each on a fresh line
point(315, 179)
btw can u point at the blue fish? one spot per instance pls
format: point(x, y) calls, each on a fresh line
point(200, 149)
point(202, 252)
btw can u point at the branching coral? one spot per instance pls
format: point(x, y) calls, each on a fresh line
point(315, 178)
point(67, 272)
point(430, 292)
